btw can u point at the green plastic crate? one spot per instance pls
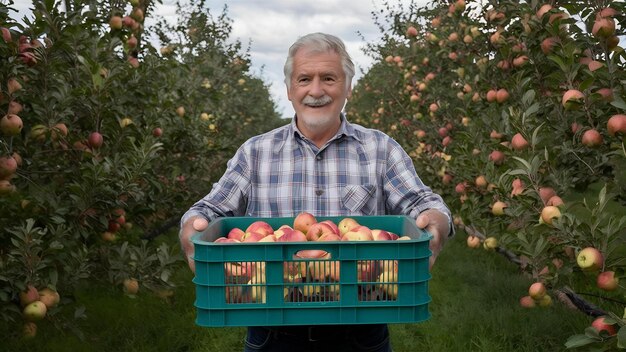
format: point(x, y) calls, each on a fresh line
point(349, 287)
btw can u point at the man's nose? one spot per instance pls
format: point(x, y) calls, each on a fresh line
point(316, 88)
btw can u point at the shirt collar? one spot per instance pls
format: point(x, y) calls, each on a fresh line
point(345, 129)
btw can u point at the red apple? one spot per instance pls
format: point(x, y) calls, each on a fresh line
point(252, 236)
point(281, 230)
point(29, 295)
point(8, 167)
point(318, 229)
point(303, 221)
point(607, 281)
point(601, 326)
point(590, 259)
point(548, 44)
point(95, 140)
point(29, 330)
point(411, 32)
point(537, 290)
point(518, 142)
point(329, 237)
point(13, 86)
point(543, 10)
point(157, 132)
point(292, 235)
point(49, 297)
point(592, 138)
point(6, 35)
point(226, 240)
point(572, 99)
point(497, 157)
point(502, 95)
point(332, 226)
point(236, 233)
point(381, 235)
point(603, 27)
point(359, 233)
point(555, 201)
point(11, 125)
point(527, 302)
point(260, 227)
point(616, 125)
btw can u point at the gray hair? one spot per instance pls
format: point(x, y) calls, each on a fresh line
point(321, 43)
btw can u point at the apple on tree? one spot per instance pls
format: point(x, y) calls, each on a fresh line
point(590, 259)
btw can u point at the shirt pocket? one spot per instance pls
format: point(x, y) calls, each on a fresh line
point(359, 199)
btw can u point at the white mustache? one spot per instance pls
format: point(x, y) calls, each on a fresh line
point(309, 100)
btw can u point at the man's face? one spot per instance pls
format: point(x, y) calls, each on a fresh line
point(318, 90)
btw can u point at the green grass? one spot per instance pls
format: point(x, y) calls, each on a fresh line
point(475, 308)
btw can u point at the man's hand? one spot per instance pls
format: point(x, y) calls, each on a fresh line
point(191, 226)
point(437, 224)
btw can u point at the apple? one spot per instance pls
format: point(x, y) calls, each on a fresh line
point(34, 311)
point(359, 233)
point(332, 226)
point(346, 224)
point(303, 221)
point(502, 95)
point(545, 193)
point(543, 10)
point(572, 99)
point(49, 297)
point(29, 330)
point(594, 65)
point(616, 125)
point(14, 108)
point(292, 235)
point(490, 243)
point(411, 32)
point(518, 142)
point(537, 290)
point(329, 237)
point(497, 157)
point(601, 326)
point(6, 35)
point(8, 166)
point(545, 301)
point(592, 138)
point(590, 259)
point(547, 45)
point(13, 86)
point(236, 233)
point(381, 235)
point(527, 302)
point(603, 27)
point(318, 229)
point(29, 295)
point(549, 213)
point(498, 208)
point(6, 187)
point(108, 236)
point(268, 238)
point(132, 41)
point(180, 111)
point(555, 201)
point(157, 132)
point(226, 240)
point(252, 236)
point(281, 230)
point(113, 226)
point(388, 281)
point(607, 281)
point(133, 61)
point(95, 140)
point(257, 291)
point(492, 95)
point(131, 286)
point(473, 241)
point(11, 125)
point(260, 227)
point(128, 21)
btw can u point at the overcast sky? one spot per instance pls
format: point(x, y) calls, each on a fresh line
point(271, 26)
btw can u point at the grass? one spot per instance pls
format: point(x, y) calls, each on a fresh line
point(475, 308)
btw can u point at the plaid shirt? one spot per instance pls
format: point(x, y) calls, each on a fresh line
point(280, 173)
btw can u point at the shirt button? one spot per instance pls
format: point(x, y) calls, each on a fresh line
point(319, 157)
point(319, 192)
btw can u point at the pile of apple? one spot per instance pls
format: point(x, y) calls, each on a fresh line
point(35, 305)
point(312, 275)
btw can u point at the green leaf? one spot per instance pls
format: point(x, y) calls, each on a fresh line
point(619, 103)
point(532, 109)
point(523, 162)
point(528, 97)
point(621, 337)
point(578, 340)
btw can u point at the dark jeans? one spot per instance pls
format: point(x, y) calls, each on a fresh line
point(325, 338)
